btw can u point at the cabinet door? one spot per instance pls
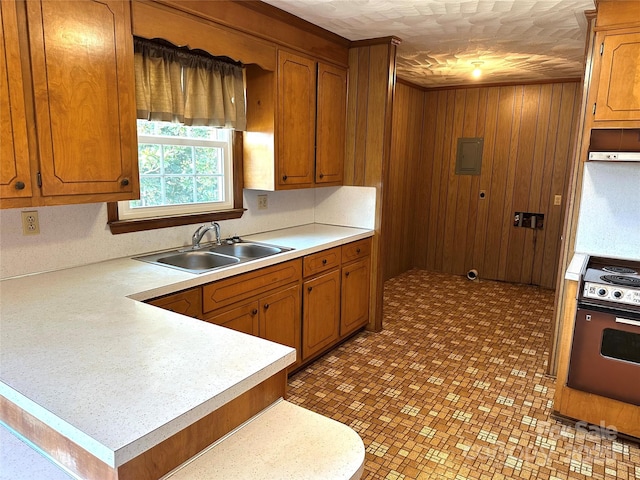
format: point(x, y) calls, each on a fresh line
point(296, 120)
point(243, 319)
point(188, 302)
point(320, 313)
point(15, 177)
point(355, 296)
point(82, 60)
point(619, 86)
point(331, 124)
point(280, 318)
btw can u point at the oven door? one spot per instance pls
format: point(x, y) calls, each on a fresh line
point(605, 355)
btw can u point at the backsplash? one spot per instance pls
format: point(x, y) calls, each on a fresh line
point(609, 219)
point(73, 235)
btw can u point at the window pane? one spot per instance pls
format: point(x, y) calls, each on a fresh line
point(150, 192)
point(209, 189)
point(149, 159)
point(177, 159)
point(179, 190)
point(208, 160)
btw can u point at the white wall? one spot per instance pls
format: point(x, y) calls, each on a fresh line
point(74, 235)
point(609, 218)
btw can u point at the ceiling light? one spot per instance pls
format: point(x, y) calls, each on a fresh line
point(477, 72)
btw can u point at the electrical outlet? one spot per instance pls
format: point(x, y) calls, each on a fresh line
point(557, 200)
point(30, 223)
point(263, 204)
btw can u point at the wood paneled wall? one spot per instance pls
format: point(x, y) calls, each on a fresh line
point(369, 114)
point(528, 133)
point(403, 187)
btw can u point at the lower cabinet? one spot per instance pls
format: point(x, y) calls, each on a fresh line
point(320, 313)
point(280, 319)
point(310, 304)
point(355, 296)
point(243, 319)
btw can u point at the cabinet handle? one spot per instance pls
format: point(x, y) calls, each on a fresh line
point(254, 311)
point(124, 182)
point(284, 178)
point(20, 185)
point(324, 261)
point(346, 274)
point(321, 175)
point(357, 250)
point(309, 289)
point(266, 306)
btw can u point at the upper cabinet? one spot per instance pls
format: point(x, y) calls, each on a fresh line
point(15, 175)
point(614, 92)
point(82, 61)
point(82, 103)
point(296, 124)
point(618, 96)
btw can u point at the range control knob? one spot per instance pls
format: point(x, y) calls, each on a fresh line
point(602, 292)
point(617, 294)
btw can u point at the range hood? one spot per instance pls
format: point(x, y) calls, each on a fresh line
point(615, 145)
point(615, 156)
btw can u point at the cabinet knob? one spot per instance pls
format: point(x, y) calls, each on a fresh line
point(322, 175)
point(346, 274)
point(266, 306)
point(284, 178)
point(124, 182)
point(254, 311)
point(324, 261)
point(309, 289)
point(20, 185)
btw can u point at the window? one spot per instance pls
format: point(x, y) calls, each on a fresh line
point(183, 170)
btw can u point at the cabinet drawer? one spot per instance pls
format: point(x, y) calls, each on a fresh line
point(355, 250)
point(241, 287)
point(187, 302)
point(321, 261)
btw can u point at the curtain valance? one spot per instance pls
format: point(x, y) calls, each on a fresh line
point(179, 85)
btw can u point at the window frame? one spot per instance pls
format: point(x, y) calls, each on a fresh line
point(118, 226)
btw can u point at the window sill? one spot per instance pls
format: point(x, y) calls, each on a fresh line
point(138, 225)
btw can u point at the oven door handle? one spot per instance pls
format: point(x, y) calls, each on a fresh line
point(628, 321)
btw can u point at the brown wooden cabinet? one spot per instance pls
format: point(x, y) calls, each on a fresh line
point(618, 95)
point(81, 61)
point(296, 124)
point(331, 124)
point(15, 175)
point(280, 319)
point(243, 319)
point(355, 286)
point(187, 302)
point(264, 302)
point(320, 313)
point(269, 303)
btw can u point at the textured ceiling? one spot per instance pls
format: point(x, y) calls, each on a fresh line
point(517, 40)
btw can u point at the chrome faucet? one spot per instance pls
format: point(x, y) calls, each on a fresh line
point(200, 232)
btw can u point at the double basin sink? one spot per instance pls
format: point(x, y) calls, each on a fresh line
point(209, 257)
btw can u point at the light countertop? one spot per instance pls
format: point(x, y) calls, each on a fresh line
point(337, 451)
point(576, 266)
point(118, 376)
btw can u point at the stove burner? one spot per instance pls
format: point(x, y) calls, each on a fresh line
point(622, 280)
point(624, 270)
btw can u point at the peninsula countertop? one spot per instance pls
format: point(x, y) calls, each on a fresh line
point(81, 352)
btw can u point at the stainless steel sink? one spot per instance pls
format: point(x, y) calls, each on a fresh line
point(247, 250)
point(198, 260)
point(210, 257)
